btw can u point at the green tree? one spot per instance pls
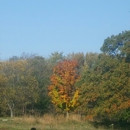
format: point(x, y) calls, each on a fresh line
point(113, 45)
point(126, 51)
point(21, 87)
point(105, 89)
point(90, 59)
point(54, 58)
point(42, 72)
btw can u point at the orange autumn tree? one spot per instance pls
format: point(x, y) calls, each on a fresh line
point(62, 89)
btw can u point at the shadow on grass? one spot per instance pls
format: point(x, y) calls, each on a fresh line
point(120, 125)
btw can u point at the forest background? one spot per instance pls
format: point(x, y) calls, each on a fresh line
point(104, 84)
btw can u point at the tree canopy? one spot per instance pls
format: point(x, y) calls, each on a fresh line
point(62, 89)
point(94, 84)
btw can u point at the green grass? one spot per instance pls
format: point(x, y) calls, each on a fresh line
point(46, 122)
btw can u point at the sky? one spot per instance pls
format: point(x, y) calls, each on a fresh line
point(43, 27)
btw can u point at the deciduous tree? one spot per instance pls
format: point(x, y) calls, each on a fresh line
point(62, 89)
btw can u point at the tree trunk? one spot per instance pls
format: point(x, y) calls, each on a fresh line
point(11, 109)
point(67, 115)
point(11, 112)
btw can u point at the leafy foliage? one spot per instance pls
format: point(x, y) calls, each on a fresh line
point(62, 89)
point(113, 45)
point(100, 83)
point(105, 88)
point(20, 87)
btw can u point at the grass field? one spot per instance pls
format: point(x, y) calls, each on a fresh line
point(47, 122)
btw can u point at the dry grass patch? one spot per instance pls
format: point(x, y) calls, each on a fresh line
point(47, 122)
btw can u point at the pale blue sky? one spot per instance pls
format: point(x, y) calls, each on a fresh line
point(46, 26)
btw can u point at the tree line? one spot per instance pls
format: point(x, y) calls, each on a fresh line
point(96, 85)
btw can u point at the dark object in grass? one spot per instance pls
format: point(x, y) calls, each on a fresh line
point(33, 128)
